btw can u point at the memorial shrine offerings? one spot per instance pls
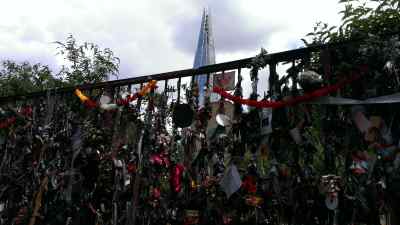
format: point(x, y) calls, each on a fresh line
point(320, 147)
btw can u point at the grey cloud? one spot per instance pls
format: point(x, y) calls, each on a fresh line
point(33, 57)
point(32, 34)
point(233, 32)
point(148, 36)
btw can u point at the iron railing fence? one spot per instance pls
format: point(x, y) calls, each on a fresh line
point(272, 60)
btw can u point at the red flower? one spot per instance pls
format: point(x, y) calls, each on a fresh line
point(156, 193)
point(131, 167)
point(249, 184)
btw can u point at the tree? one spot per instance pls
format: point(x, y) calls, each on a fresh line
point(86, 63)
point(372, 30)
point(19, 78)
point(370, 35)
point(360, 19)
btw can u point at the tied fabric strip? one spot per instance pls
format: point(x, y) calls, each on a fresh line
point(150, 86)
point(26, 112)
point(144, 91)
point(176, 177)
point(7, 122)
point(296, 100)
point(85, 100)
point(92, 104)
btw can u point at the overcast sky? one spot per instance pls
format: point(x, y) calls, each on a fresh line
point(151, 36)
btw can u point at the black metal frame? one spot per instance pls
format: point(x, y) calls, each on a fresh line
point(272, 60)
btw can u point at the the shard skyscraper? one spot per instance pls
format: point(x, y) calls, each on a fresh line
point(205, 52)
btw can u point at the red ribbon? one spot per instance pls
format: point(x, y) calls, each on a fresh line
point(128, 99)
point(296, 100)
point(7, 122)
point(176, 177)
point(26, 111)
point(249, 184)
point(90, 104)
point(150, 86)
point(131, 167)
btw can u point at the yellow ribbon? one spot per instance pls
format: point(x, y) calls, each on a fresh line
point(151, 85)
point(38, 200)
point(80, 95)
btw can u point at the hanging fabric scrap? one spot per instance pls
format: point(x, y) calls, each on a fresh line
point(295, 100)
point(144, 91)
point(24, 112)
point(85, 100)
point(7, 122)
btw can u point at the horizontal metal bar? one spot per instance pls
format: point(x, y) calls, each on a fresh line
point(237, 64)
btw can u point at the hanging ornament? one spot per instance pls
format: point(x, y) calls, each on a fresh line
point(390, 68)
point(183, 115)
point(266, 121)
point(360, 163)
point(330, 187)
point(332, 202)
point(105, 103)
point(191, 217)
point(231, 182)
point(310, 80)
point(254, 200)
point(104, 99)
point(223, 120)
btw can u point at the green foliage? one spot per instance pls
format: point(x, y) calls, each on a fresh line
point(84, 63)
point(373, 27)
point(360, 19)
point(87, 62)
point(19, 78)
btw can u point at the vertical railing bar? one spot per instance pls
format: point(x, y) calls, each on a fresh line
point(179, 90)
point(139, 101)
point(165, 101)
point(272, 78)
point(294, 76)
point(166, 86)
point(117, 91)
point(192, 81)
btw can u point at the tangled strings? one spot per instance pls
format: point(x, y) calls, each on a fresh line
point(25, 112)
point(144, 91)
point(292, 101)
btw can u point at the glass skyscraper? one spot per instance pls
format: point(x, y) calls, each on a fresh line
point(205, 52)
